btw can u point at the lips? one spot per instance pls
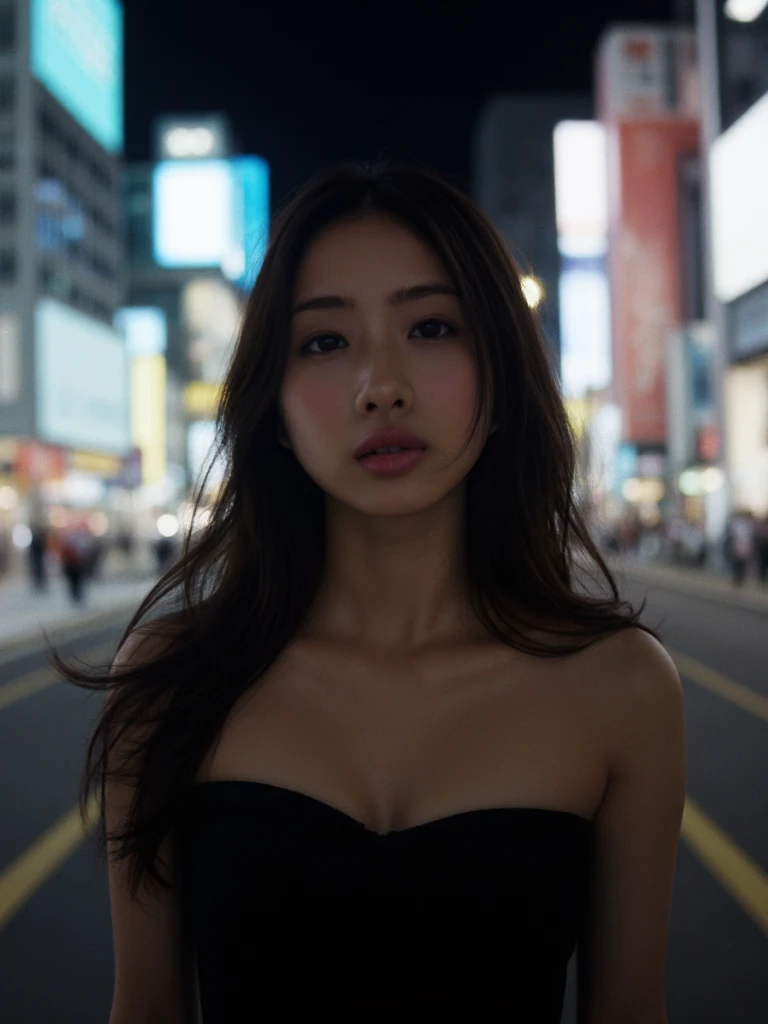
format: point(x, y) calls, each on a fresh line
point(389, 439)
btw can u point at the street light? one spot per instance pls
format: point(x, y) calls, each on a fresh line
point(744, 10)
point(533, 290)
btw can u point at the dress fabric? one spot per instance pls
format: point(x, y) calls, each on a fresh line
point(294, 909)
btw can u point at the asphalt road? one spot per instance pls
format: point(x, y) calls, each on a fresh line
point(55, 938)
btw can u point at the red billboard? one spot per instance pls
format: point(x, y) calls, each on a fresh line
point(646, 96)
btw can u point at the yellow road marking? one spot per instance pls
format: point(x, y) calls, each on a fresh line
point(42, 678)
point(21, 879)
point(736, 871)
point(726, 688)
point(26, 685)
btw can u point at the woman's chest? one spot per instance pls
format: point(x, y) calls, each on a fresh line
point(397, 742)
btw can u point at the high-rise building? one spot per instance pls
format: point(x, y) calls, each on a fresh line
point(733, 43)
point(514, 183)
point(197, 221)
point(63, 374)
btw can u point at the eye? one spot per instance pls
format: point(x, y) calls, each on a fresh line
point(431, 329)
point(432, 324)
point(305, 349)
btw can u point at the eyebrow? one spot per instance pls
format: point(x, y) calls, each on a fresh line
point(412, 294)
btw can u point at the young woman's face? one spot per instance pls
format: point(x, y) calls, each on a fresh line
point(365, 359)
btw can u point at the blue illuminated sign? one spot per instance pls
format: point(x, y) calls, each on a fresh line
point(77, 54)
point(253, 175)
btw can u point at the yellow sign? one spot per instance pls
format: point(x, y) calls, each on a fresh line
point(94, 462)
point(9, 446)
point(148, 415)
point(201, 400)
point(578, 415)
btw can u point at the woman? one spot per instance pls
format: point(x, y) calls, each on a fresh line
point(389, 757)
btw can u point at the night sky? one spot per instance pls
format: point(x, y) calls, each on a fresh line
point(305, 84)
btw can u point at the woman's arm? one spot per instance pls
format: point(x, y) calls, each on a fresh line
point(621, 959)
point(155, 982)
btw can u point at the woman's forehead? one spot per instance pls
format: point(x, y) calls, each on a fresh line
point(368, 250)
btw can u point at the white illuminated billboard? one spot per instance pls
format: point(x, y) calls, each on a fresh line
point(585, 327)
point(77, 54)
point(193, 210)
point(738, 166)
point(82, 380)
point(581, 189)
point(212, 213)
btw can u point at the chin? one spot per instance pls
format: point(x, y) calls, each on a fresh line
point(391, 505)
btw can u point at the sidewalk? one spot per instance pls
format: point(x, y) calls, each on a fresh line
point(688, 580)
point(23, 612)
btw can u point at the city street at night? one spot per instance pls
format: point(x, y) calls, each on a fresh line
point(360, 335)
point(55, 938)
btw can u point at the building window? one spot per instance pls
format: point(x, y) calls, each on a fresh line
point(100, 267)
point(7, 265)
point(101, 174)
point(7, 93)
point(44, 277)
point(7, 28)
point(71, 148)
point(7, 207)
point(6, 151)
point(102, 222)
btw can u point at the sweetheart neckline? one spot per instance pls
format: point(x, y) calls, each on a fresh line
point(319, 804)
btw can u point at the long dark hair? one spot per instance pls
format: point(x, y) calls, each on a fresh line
point(247, 578)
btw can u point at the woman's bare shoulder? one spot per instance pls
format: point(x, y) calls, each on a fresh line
point(634, 654)
point(635, 678)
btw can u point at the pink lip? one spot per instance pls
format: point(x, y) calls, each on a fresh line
point(388, 439)
point(393, 462)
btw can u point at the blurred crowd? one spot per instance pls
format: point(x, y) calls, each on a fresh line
point(678, 541)
point(77, 553)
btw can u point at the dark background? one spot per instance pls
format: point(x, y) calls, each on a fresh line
point(308, 84)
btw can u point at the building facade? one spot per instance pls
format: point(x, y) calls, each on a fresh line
point(63, 378)
point(735, 64)
point(514, 183)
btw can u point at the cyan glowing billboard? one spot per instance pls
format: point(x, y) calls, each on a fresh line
point(77, 54)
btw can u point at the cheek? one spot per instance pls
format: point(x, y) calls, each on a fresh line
point(450, 390)
point(310, 408)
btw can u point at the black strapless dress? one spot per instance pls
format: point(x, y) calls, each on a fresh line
point(298, 912)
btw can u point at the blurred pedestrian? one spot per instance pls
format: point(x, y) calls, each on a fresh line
point(125, 542)
point(694, 543)
point(165, 550)
point(5, 551)
point(76, 553)
point(761, 548)
point(674, 533)
point(741, 543)
point(629, 534)
point(93, 570)
point(38, 546)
